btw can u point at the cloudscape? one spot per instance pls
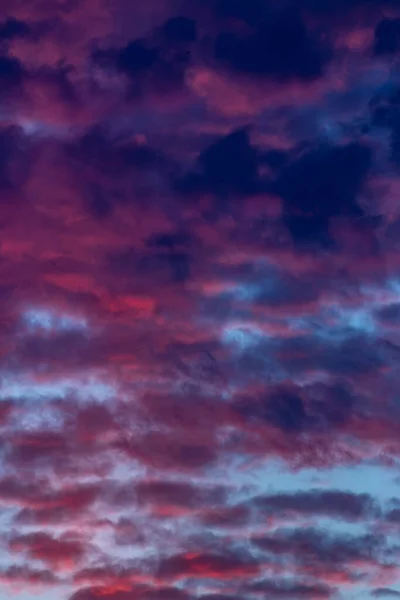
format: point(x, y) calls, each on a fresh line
point(199, 299)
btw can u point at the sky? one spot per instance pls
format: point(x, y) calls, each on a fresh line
point(199, 299)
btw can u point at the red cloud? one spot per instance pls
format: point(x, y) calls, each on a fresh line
point(58, 553)
point(212, 566)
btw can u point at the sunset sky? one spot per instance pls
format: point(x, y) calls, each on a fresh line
point(199, 299)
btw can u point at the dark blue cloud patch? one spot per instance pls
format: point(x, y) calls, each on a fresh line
point(385, 115)
point(13, 28)
point(353, 356)
point(317, 548)
point(177, 250)
point(330, 406)
point(118, 159)
point(136, 58)
point(387, 37)
point(280, 407)
point(393, 516)
point(280, 47)
point(173, 494)
point(229, 166)
point(345, 7)
point(329, 503)
point(250, 11)
point(320, 184)
point(286, 410)
point(226, 517)
point(11, 73)
point(113, 154)
point(390, 314)
point(15, 163)
point(290, 589)
point(165, 265)
point(180, 29)
point(157, 63)
point(309, 409)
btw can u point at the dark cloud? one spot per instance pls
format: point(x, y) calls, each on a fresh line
point(164, 265)
point(393, 516)
point(331, 405)
point(114, 169)
point(283, 408)
point(296, 410)
point(312, 547)
point(223, 517)
point(387, 37)
point(328, 7)
point(102, 150)
point(228, 166)
point(320, 184)
point(157, 63)
point(13, 28)
point(11, 73)
point(136, 58)
point(168, 451)
point(180, 29)
point(280, 47)
point(251, 12)
point(287, 411)
point(354, 355)
point(288, 291)
point(15, 157)
point(384, 107)
point(174, 494)
point(176, 250)
point(177, 263)
point(291, 589)
point(328, 503)
point(389, 314)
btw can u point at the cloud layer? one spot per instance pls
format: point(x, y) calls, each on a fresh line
point(199, 299)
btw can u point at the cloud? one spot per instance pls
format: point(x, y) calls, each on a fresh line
point(226, 517)
point(294, 410)
point(386, 36)
point(199, 299)
point(279, 47)
point(17, 575)
point(318, 549)
point(230, 165)
point(174, 494)
point(385, 593)
point(321, 184)
point(156, 64)
point(210, 566)
point(327, 503)
point(93, 593)
point(291, 589)
point(13, 28)
point(57, 553)
point(141, 592)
